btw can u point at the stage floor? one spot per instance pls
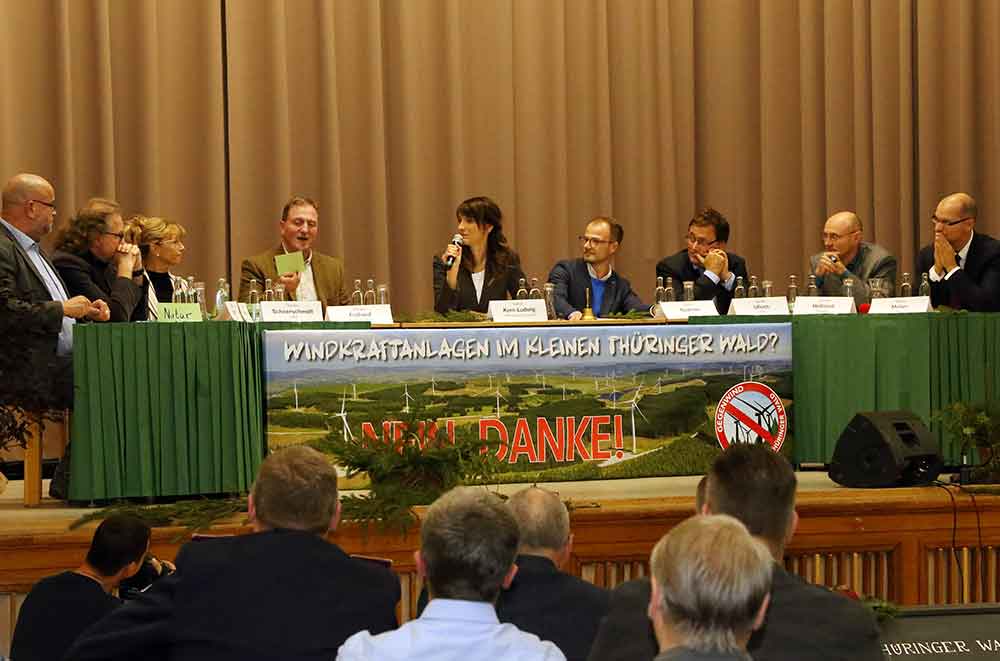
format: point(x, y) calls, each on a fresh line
point(54, 517)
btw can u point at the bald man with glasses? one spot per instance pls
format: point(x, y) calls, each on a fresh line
point(33, 295)
point(846, 257)
point(963, 265)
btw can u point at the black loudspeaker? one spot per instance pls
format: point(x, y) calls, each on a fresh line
point(885, 449)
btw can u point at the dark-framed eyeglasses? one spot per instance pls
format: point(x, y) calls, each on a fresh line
point(120, 235)
point(51, 205)
point(949, 223)
point(584, 240)
point(697, 241)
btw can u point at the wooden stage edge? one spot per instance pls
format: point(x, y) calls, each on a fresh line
point(896, 544)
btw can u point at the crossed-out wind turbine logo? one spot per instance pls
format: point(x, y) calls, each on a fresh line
point(751, 413)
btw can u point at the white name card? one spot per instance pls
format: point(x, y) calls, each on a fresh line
point(532, 309)
point(291, 311)
point(234, 311)
point(178, 312)
point(824, 305)
point(759, 306)
point(681, 310)
point(375, 314)
point(907, 305)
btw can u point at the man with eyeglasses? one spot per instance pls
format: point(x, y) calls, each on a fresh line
point(33, 297)
point(846, 257)
point(705, 261)
point(962, 264)
point(610, 293)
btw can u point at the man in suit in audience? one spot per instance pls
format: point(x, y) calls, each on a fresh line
point(963, 265)
point(468, 542)
point(710, 589)
point(542, 599)
point(59, 608)
point(323, 277)
point(282, 592)
point(610, 293)
point(846, 257)
point(33, 297)
point(755, 485)
point(705, 261)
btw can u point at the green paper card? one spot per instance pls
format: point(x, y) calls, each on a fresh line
point(293, 262)
point(179, 312)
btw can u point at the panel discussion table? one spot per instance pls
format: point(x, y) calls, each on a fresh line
point(177, 409)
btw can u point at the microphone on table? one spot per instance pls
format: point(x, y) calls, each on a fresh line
point(455, 241)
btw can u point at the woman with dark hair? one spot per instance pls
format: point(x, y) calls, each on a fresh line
point(95, 261)
point(484, 268)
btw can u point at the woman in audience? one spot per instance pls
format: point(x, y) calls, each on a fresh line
point(95, 261)
point(162, 247)
point(484, 267)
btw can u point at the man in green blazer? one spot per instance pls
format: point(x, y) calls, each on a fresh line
point(323, 277)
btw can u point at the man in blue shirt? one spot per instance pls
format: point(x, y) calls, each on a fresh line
point(610, 293)
point(32, 292)
point(468, 542)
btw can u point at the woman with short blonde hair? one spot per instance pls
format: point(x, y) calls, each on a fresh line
point(162, 247)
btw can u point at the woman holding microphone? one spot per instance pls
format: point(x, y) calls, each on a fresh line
point(483, 268)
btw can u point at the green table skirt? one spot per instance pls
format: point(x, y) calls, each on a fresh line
point(844, 364)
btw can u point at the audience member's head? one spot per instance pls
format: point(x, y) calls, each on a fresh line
point(296, 489)
point(468, 542)
point(119, 547)
point(757, 486)
point(700, 493)
point(710, 583)
point(543, 521)
point(97, 228)
point(28, 202)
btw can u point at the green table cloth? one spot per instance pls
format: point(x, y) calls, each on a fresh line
point(844, 364)
point(168, 409)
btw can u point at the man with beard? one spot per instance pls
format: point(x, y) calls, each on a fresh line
point(610, 293)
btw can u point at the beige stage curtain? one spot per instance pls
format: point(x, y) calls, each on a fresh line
point(122, 99)
point(389, 112)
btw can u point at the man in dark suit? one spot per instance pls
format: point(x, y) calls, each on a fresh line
point(963, 266)
point(34, 297)
point(757, 486)
point(610, 293)
point(542, 599)
point(323, 277)
point(282, 592)
point(705, 261)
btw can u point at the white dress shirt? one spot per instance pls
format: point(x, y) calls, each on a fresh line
point(451, 630)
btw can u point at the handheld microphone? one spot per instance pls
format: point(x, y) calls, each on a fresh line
point(456, 241)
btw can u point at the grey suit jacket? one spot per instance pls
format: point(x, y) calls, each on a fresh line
point(872, 261)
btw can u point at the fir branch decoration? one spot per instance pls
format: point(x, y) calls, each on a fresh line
point(192, 515)
point(410, 472)
point(453, 316)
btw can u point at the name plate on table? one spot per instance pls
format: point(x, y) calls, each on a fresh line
point(824, 305)
point(374, 314)
point(178, 311)
point(234, 311)
point(532, 309)
point(681, 310)
point(907, 305)
point(291, 311)
point(759, 306)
